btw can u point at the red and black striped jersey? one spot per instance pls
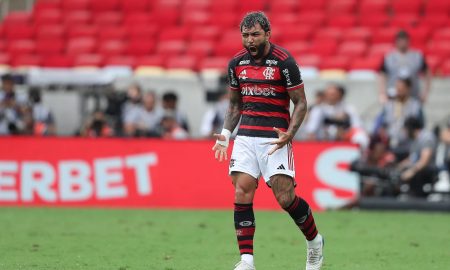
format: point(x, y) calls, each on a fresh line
point(264, 90)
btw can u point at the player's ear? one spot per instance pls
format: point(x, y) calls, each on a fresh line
point(268, 34)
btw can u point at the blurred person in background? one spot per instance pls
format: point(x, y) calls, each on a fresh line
point(445, 138)
point(418, 168)
point(171, 130)
point(42, 117)
point(169, 105)
point(320, 124)
point(131, 111)
point(346, 133)
point(404, 62)
point(97, 126)
point(150, 116)
point(394, 114)
point(214, 118)
point(12, 107)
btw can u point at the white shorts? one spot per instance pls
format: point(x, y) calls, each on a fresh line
point(250, 155)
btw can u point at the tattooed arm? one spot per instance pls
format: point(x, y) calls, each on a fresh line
point(298, 97)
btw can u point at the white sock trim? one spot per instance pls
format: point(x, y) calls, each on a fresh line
point(248, 258)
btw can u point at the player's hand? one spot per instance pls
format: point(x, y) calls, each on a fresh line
point(283, 139)
point(220, 151)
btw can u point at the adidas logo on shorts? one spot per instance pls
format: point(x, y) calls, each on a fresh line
point(281, 167)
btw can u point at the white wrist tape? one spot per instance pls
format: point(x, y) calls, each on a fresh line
point(227, 134)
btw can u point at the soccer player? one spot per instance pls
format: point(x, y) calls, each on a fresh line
point(263, 79)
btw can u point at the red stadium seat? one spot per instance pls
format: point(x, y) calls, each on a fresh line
point(335, 62)
point(141, 32)
point(206, 33)
point(137, 19)
point(27, 60)
point(367, 7)
point(373, 20)
point(371, 63)
point(404, 20)
point(293, 34)
point(76, 4)
point(4, 59)
point(317, 5)
point(166, 18)
point(113, 33)
point(174, 33)
point(442, 34)
point(138, 47)
point(82, 31)
point(435, 20)
point(50, 46)
point(166, 48)
point(220, 63)
point(352, 49)
point(104, 5)
point(88, 60)
point(17, 17)
point(323, 48)
point(50, 32)
point(17, 47)
point(135, 5)
point(227, 48)
point(200, 49)
point(311, 18)
point(2, 45)
point(328, 34)
point(441, 7)
point(184, 62)
point(223, 6)
point(284, 6)
point(357, 34)
point(196, 5)
point(434, 63)
point(251, 5)
point(48, 17)
point(225, 20)
point(19, 31)
point(286, 19)
point(342, 7)
point(79, 17)
point(111, 48)
point(197, 18)
point(439, 48)
point(79, 46)
point(58, 61)
point(297, 47)
point(342, 21)
point(41, 5)
point(308, 60)
point(154, 60)
point(381, 49)
point(109, 18)
point(120, 60)
point(407, 6)
point(385, 35)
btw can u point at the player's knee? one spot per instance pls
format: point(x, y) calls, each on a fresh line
point(243, 194)
point(285, 199)
point(283, 190)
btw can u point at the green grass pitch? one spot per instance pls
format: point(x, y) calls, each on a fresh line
point(110, 239)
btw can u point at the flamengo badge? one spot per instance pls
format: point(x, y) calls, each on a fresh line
point(268, 73)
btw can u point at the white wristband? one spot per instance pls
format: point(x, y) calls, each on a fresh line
point(227, 134)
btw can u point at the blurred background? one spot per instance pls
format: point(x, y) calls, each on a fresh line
point(376, 72)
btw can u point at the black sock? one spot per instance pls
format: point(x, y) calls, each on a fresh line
point(301, 213)
point(244, 223)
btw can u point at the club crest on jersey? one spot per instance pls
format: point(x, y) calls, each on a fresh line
point(271, 62)
point(257, 91)
point(269, 73)
point(244, 62)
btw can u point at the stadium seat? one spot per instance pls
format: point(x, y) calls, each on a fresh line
point(27, 60)
point(342, 21)
point(323, 48)
point(357, 34)
point(384, 35)
point(342, 7)
point(137, 19)
point(41, 5)
point(76, 4)
point(110, 18)
point(308, 60)
point(17, 18)
point(79, 46)
point(150, 61)
point(138, 47)
point(50, 32)
point(168, 48)
point(141, 32)
point(223, 6)
point(182, 62)
point(297, 47)
point(403, 21)
point(294, 34)
point(204, 33)
point(113, 33)
point(406, 6)
point(135, 5)
point(283, 6)
point(4, 59)
point(191, 19)
point(328, 34)
point(2, 45)
point(373, 20)
point(19, 31)
point(58, 61)
point(366, 63)
point(434, 63)
point(311, 18)
point(219, 63)
point(445, 68)
point(111, 48)
point(104, 5)
point(17, 47)
point(439, 48)
point(250, 5)
point(335, 62)
point(313, 6)
point(196, 5)
point(437, 7)
point(174, 33)
point(367, 7)
point(79, 17)
point(46, 47)
point(435, 20)
point(225, 20)
point(284, 20)
point(77, 31)
point(227, 47)
point(442, 34)
point(379, 50)
point(165, 17)
point(352, 49)
point(87, 60)
point(200, 49)
point(48, 17)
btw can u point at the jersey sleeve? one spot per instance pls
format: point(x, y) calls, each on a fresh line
point(232, 78)
point(291, 75)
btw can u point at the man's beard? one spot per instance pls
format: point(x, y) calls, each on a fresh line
point(260, 50)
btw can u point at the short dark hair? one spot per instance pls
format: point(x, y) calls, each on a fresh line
point(340, 88)
point(402, 34)
point(413, 123)
point(7, 77)
point(253, 18)
point(407, 81)
point(170, 96)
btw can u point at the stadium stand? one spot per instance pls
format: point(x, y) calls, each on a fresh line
point(66, 32)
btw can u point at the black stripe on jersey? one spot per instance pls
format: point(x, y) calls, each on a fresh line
point(263, 121)
point(257, 133)
point(256, 81)
point(264, 107)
